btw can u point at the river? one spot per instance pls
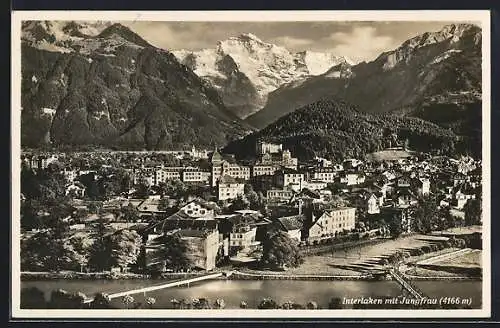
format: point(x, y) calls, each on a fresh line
point(235, 291)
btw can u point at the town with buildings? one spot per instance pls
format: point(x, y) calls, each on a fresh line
point(223, 210)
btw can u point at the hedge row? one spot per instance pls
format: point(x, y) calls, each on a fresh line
point(400, 256)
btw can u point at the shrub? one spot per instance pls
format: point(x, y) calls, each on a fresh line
point(311, 305)
point(61, 299)
point(150, 301)
point(335, 303)
point(267, 303)
point(297, 306)
point(461, 243)
point(101, 301)
point(33, 298)
point(219, 303)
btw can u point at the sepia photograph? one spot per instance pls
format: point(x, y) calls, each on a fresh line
point(218, 164)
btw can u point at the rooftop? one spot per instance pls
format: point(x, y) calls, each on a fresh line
point(293, 222)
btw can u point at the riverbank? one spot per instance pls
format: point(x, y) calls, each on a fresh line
point(412, 274)
point(238, 275)
point(71, 275)
point(356, 263)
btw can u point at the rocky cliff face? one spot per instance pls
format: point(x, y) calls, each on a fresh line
point(245, 69)
point(441, 65)
point(102, 84)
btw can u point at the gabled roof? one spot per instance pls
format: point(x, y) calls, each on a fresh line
point(173, 223)
point(150, 205)
point(293, 222)
point(193, 233)
point(226, 179)
point(240, 220)
point(406, 192)
point(203, 203)
point(287, 170)
point(306, 192)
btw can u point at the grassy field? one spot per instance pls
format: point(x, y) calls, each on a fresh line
point(357, 260)
point(464, 230)
point(468, 260)
point(416, 259)
point(422, 272)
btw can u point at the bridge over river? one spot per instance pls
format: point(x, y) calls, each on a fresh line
point(396, 275)
point(162, 286)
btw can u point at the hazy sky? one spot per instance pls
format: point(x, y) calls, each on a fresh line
point(360, 41)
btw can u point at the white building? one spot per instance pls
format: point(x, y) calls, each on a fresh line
point(167, 173)
point(199, 209)
point(373, 204)
point(264, 169)
point(280, 194)
point(267, 147)
point(292, 225)
point(195, 174)
point(325, 174)
point(332, 221)
point(351, 179)
point(289, 177)
point(314, 184)
point(229, 188)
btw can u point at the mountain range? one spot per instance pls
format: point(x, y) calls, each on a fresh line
point(431, 68)
point(245, 69)
point(333, 128)
point(102, 84)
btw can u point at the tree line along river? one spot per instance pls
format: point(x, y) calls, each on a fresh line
point(233, 292)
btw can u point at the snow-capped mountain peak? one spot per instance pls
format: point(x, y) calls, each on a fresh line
point(248, 37)
point(262, 66)
point(317, 63)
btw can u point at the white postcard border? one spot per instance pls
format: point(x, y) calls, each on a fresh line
point(478, 16)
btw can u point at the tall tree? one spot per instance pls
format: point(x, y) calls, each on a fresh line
point(395, 226)
point(80, 245)
point(47, 250)
point(30, 186)
point(142, 189)
point(279, 251)
point(52, 186)
point(130, 213)
point(472, 210)
point(100, 255)
point(125, 247)
point(426, 215)
point(173, 252)
point(240, 203)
